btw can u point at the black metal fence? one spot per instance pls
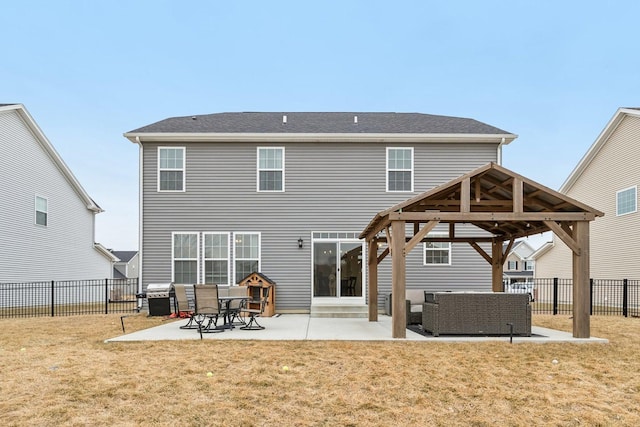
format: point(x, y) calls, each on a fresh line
point(69, 297)
point(608, 297)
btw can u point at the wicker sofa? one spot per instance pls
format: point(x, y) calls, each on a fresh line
point(414, 300)
point(476, 313)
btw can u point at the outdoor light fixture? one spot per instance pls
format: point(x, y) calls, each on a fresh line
point(300, 242)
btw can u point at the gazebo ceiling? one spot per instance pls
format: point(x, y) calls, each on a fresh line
point(492, 198)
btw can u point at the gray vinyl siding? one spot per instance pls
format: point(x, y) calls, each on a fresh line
point(330, 187)
point(63, 250)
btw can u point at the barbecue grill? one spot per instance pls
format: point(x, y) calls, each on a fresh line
point(158, 296)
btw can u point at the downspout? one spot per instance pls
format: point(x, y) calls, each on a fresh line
point(140, 172)
point(499, 154)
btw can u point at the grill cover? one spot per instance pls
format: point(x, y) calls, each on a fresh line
point(159, 290)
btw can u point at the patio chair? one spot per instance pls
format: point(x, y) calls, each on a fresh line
point(207, 308)
point(236, 305)
point(255, 312)
point(185, 305)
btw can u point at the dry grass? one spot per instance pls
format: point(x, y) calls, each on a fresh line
point(58, 371)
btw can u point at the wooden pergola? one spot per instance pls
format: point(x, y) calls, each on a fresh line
point(503, 206)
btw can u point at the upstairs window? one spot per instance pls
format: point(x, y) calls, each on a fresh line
point(400, 169)
point(512, 265)
point(627, 201)
point(42, 211)
point(171, 168)
point(185, 257)
point(528, 265)
point(270, 169)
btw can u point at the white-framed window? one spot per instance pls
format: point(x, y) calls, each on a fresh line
point(528, 265)
point(270, 164)
point(437, 253)
point(185, 257)
point(627, 201)
point(512, 265)
point(216, 258)
point(41, 211)
point(171, 168)
point(400, 169)
point(246, 254)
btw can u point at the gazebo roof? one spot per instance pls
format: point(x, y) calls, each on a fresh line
point(492, 198)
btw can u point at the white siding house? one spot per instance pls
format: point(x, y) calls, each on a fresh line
point(46, 217)
point(607, 178)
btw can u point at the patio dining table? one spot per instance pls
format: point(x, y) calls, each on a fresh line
point(226, 301)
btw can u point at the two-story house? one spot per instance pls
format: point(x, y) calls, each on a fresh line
point(45, 212)
point(607, 178)
point(519, 264)
point(287, 194)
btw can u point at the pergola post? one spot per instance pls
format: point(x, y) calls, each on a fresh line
point(398, 280)
point(497, 265)
point(581, 288)
point(373, 280)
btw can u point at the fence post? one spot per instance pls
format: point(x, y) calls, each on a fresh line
point(625, 297)
point(53, 298)
point(555, 296)
point(106, 296)
point(591, 297)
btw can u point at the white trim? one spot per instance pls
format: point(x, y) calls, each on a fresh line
point(140, 216)
point(235, 252)
point(183, 169)
point(35, 211)
point(205, 259)
point(597, 145)
point(107, 254)
point(173, 258)
point(53, 154)
point(425, 249)
point(319, 137)
point(635, 194)
point(412, 170)
point(338, 237)
point(258, 169)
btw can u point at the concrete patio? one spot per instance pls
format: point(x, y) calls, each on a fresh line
point(303, 327)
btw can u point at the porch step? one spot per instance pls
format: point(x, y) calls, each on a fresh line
point(360, 310)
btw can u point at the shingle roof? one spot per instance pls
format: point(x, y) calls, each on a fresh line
point(125, 256)
point(318, 122)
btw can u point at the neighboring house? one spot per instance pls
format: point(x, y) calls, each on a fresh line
point(45, 212)
point(606, 178)
point(127, 265)
point(288, 194)
point(519, 265)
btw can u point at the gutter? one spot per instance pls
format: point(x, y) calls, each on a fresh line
point(140, 224)
point(137, 138)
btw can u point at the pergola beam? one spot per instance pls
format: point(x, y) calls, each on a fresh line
point(398, 281)
point(491, 216)
point(581, 287)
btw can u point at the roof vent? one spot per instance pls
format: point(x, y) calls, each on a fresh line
point(193, 117)
point(355, 120)
point(284, 119)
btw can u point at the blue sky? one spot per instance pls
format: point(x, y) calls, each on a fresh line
point(553, 72)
